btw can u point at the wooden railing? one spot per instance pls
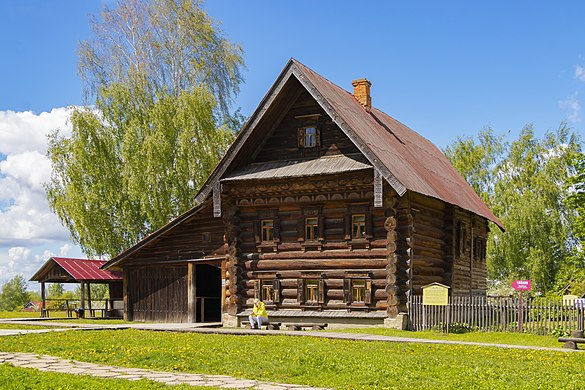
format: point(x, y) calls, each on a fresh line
point(71, 307)
point(539, 315)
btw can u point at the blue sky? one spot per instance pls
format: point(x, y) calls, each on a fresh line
point(444, 68)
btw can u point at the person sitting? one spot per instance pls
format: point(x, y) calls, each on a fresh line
point(259, 316)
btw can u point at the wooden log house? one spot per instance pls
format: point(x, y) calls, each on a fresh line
point(326, 208)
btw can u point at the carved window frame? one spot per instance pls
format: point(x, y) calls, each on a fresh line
point(351, 281)
point(263, 216)
point(309, 213)
point(353, 210)
point(268, 282)
point(479, 248)
point(315, 281)
point(461, 237)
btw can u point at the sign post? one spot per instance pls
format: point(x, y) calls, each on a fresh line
point(436, 294)
point(521, 285)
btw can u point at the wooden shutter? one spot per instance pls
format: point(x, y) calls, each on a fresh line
point(301, 290)
point(258, 231)
point(301, 133)
point(347, 225)
point(301, 227)
point(276, 228)
point(317, 135)
point(276, 290)
point(321, 232)
point(347, 290)
point(321, 298)
point(368, 297)
point(257, 288)
point(369, 229)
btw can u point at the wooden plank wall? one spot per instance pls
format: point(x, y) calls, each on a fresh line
point(157, 293)
point(201, 235)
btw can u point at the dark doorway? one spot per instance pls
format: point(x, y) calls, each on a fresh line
point(208, 287)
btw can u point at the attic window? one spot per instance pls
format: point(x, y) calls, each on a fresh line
point(309, 137)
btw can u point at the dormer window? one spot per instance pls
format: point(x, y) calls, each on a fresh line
point(309, 137)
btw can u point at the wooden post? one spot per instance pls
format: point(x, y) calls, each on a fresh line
point(520, 313)
point(43, 299)
point(223, 286)
point(89, 299)
point(128, 315)
point(82, 295)
point(191, 293)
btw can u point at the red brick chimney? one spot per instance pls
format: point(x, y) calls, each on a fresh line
point(361, 92)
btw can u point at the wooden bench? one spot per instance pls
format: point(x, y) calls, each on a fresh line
point(269, 326)
point(571, 342)
point(301, 325)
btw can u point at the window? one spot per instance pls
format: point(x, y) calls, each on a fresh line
point(311, 228)
point(267, 230)
point(309, 137)
point(357, 289)
point(267, 290)
point(311, 290)
point(206, 237)
point(358, 226)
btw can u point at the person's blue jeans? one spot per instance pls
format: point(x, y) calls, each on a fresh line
point(257, 322)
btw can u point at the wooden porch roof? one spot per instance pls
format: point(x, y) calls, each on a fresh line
point(300, 168)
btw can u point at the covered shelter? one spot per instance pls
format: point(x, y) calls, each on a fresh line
point(85, 272)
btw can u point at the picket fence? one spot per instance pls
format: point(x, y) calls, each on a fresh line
point(539, 315)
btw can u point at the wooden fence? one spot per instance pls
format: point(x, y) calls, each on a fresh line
point(539, 315)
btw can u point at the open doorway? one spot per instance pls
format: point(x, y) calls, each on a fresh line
point(208, 282)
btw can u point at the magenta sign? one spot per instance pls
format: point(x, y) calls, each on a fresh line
point(522, 285)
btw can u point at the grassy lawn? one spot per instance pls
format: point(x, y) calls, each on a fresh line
point(478, 337)
point(339, 364)
point(16, 378)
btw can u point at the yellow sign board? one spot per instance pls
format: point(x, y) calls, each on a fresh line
point(435, 294)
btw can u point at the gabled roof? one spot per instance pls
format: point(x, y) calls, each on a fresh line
point(63, 269)
point(408, 161)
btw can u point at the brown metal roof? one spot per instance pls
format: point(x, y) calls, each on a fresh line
point(413, 162)
point(63, 269)
point(300, 168)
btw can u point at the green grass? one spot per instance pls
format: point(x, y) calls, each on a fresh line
point(508, 338)
point(16, 378)
point(341, 364)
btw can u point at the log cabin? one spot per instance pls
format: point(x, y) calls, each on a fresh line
point(324, 207)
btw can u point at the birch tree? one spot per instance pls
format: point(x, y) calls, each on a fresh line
point(160, 78)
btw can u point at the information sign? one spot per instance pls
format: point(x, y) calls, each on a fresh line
point(522, 285)
point(435, 294)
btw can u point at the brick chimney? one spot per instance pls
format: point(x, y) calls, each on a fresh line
point(361, 92)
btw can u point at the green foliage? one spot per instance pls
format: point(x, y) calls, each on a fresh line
point(523, 182)
point(14, 294)
point(317, 362)
point(159, 124)
point(55, 290)
point(98, 291)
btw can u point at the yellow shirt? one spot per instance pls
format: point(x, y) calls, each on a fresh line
point(259, 310)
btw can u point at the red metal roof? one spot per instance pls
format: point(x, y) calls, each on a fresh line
point(84, 269)
point(79, 269)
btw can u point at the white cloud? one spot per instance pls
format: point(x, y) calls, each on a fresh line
point(26, 131)
point(29, 232)
point(580, 73)
point(572, 105)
